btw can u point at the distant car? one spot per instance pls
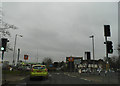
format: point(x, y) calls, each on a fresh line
point(28, 68)
point(84, 71)
point(39, 71)
point(111, 70)
point(98, 70)
point(58, 68)
point(118, 70)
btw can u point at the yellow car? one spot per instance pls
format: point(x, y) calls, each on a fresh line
point(39, 71)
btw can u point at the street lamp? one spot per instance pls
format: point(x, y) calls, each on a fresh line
point(93, 47)
point(15, 47)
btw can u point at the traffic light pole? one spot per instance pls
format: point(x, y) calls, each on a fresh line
point(107, 62)
point(2, 55)
point(18, 55)
point(3, 49)
point(4, 71)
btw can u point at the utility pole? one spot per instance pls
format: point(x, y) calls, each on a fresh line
point(107, 62)
point(18, 55)
point(2, 56)
point(14, 50)
point(37, 56)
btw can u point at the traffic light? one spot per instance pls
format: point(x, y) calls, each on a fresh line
point(109, 47)
point(106, 30)
point(4, 43)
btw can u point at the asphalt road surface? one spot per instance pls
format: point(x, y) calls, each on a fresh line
point(54, 78)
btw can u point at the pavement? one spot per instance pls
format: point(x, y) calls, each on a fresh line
point(0, 74)
point(13, 78)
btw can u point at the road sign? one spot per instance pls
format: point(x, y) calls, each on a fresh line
point(25, 57)
point(77, 61)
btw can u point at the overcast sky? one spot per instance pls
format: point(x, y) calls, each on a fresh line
point(60, 29)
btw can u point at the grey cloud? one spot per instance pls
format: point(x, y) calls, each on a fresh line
point(61, 29)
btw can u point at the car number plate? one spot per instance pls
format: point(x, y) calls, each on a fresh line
point(39, 71)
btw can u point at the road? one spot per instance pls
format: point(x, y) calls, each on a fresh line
point(55, 78)
point(70, 78)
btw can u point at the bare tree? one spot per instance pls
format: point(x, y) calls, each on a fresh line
point(118, 49)
point(113, 62)
point(4, 30)
point(47, 60)
point(118, 56)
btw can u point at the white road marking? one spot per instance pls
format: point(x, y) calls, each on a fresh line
point(23, 84)
point(50, 75)
point(68, 74)
point(22, 78)
point(57, 73)
point(85, 79)
point(65, 73)
point(76, 76)
point(73, 76)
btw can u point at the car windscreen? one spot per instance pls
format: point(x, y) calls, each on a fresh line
point(39, 67)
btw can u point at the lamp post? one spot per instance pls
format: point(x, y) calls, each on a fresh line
point(92, 36)
point(15, 47)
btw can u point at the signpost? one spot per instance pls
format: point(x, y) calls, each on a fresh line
point(71, 60)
